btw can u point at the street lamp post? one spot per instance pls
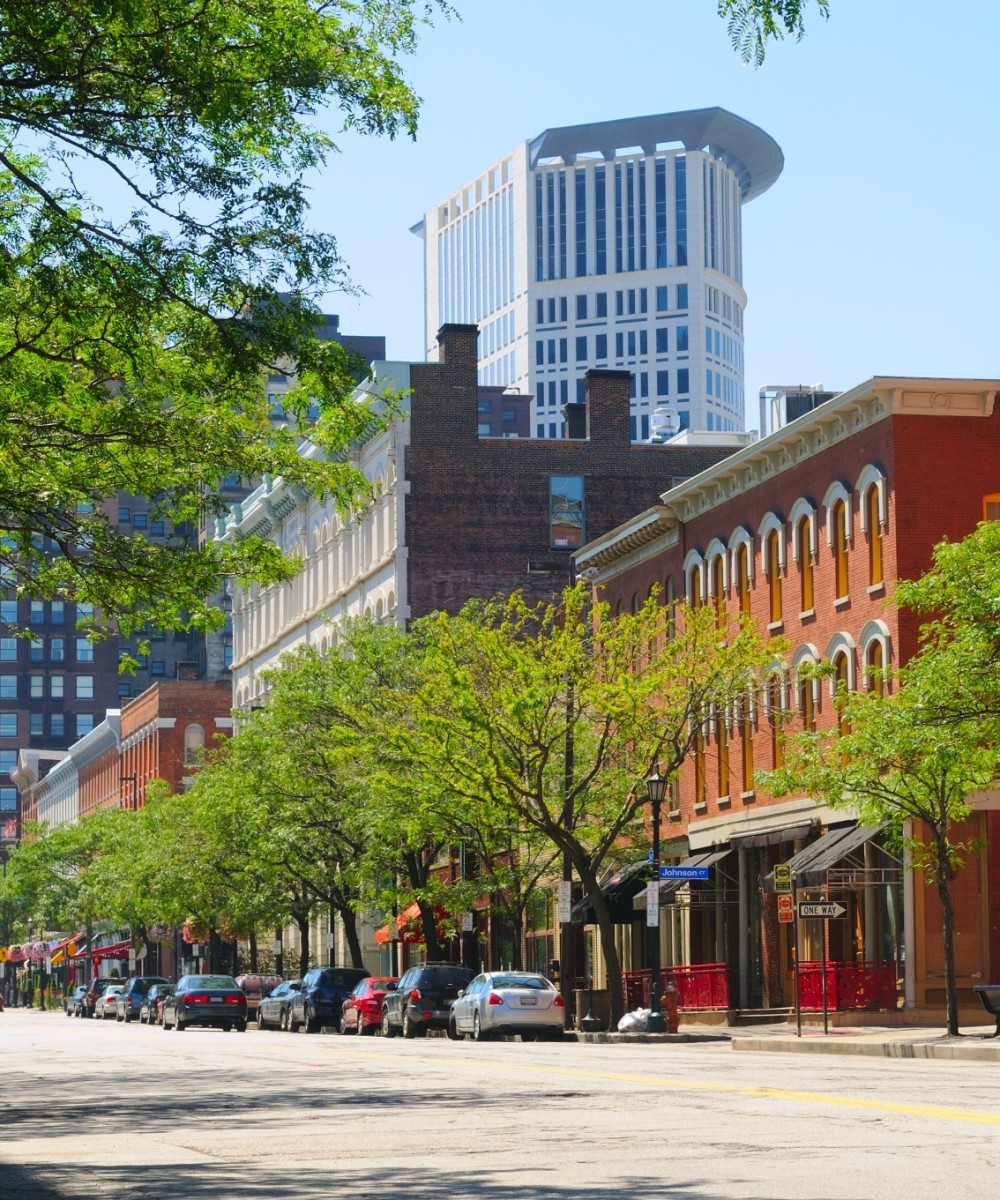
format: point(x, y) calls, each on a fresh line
point(656, 787)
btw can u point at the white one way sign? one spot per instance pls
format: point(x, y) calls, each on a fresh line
point(826, 908)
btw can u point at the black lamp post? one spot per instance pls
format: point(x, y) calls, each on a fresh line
point(656, 788)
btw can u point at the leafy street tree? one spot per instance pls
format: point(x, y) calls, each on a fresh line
point(751, 24)
point(893, 763)
point(137, 329)
point(553, 717)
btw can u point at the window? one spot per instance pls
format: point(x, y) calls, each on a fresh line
point(741, 566)
point(874, 667)
point(157, 667)
point(683, 386)
point(57, 725)
point(746, 747)
point(717, 587)
point(661, 299)
point(601, 300)
point(8, 612)
point(773, 568)
point(872, 511)
point(57, 612)
point(700, 785)
point(8, 799)
point(694, 579)
point(37, 652)
point(775, 708)
point(722, 754)
point(57, 686)
point(84, 687)
point(84, 723)
point(8, 686)
point(681, 338)
point(140, 521)
point(566, 510)
point(803, 552)
point(124, 515)
point(8, 649)
point(581, 349)
point(662, 340)
point(8, 724)
point(37, 725)
point(57, 649)
point(840, 569)
point(841, 684)
point(84, 650)
point(601, 346)
point(124, 690)
point(682, 295)
point(581, 308)
point(8, 761)
point(194, 744)
point(37, 612)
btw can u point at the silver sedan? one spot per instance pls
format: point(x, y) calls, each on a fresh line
point(505, 1002)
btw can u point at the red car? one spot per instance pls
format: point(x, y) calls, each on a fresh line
point(362, 1012)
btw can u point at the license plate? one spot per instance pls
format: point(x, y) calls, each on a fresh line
point(527, 1001)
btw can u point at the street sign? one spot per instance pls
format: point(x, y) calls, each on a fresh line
point(786, 910)
point(652, 904)
point(564, 901)
point(825, 909)
point(683, 872)
point(467, 919)
point(782, 878)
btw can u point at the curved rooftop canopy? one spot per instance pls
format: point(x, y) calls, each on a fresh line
point(753, 154)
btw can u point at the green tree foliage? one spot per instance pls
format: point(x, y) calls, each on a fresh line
point(893, 763)
point(751, 24)
point(553, 717)
point(155, 267)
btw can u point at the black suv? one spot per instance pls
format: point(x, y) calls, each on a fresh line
point(423, 998)
point(130, 1000)
point(321, 998)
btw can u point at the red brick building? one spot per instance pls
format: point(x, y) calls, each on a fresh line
point(808, 530)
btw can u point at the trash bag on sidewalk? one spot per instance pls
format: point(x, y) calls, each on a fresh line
point(634, 1022)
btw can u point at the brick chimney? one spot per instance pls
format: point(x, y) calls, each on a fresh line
point(458, 345)
point(608, 407)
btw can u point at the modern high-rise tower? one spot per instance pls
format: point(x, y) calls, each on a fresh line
point(616, 244)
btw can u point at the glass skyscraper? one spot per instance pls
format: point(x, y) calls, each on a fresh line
point(616, 244)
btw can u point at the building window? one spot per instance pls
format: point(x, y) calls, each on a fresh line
point(57, 686)
point(838, 519)
point(57, 649)
point(683, 386)
point(84, 687)
point(8, 724)
point(194, 744)
point(700, 785)
point(57, 612)
point(140, 521)
point(8, 799)
point(158, 667)
point(746, 747)
point(874, 522)
point(8, 612)
point(84, 723)
point(803, 552)
point(8, 686)
point(773, 563)
point(775, 707)
point(841, 684)
point(84, 650)
point(8, 649)
point(37, 725)
point(57, 725)
point(566, 510)
point(8, 761)
point(742, 568)
point(37, 612)
point(874, 667)
point(722, 753)
point(717, 586)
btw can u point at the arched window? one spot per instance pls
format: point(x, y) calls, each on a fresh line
point(870, 509)
point(775, 709)
point(841, 573)
point(670, 600)
point(694, 579)
point(746, 748)
point(717, 583)
point(803, 552)
point(806, 685)
point(875, 655)
point(772, 561)
point(741, 568)
point(841, 682)
point(194, 745)
point(722, 753)
point(700, 786)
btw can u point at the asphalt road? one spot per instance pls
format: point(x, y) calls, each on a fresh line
point(96, 1109)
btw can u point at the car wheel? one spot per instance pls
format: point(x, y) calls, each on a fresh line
point(479, 1034)
point(529, 1036)
point(409, 1031)
point(227, 1026)
point(260, 1019)
point(178, 1023)
point(453, 1029)
point(241, 1027)
point(388, 1029)
point(342, 1025)
point(310, 1022)
point(283, 1021)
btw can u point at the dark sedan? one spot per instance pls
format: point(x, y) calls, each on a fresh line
point(151, 1008)
point(212, 1000)
point(321, 1000)
point(275, 1008)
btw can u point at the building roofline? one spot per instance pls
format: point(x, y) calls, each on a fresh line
point(753, 154)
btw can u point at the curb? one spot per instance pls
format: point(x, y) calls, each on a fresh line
point(621, 1038)
point(954, 1051)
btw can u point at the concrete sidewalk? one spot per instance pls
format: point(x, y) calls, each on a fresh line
point(908, 1041)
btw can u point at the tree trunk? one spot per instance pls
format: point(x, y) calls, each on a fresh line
point(429, 926)
point(606, 930)
point(350, 919)
point(302, 924)
point(947, 933)
point(253, 951)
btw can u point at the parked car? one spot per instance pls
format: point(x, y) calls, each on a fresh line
point(74, 1001)
point(95, 990)
point(130, 998)
point(505, 1002)
point(151, 1008)
point(320, 1000)
point(362, 1011)
point(276, 1007)
point(256, 987)
point(423, 998)
point(213, 1000)
point(106, 1004)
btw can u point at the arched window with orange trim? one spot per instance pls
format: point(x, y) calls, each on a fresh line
point(874, 666)
point(774, 710)
point(876, 573)
point(774, 575)
point(742, 570)
point(841, 682)
point(803, 552)
point(746, 748)
point(722, 754)
point(840, 566)
point(718, 569)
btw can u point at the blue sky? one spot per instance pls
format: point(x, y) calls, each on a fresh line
point(875, 252)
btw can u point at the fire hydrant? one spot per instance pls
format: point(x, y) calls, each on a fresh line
point(669, 1005)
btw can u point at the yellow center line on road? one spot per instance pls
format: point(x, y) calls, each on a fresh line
point(932, 1111)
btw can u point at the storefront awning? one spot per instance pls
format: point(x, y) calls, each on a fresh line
point(117, 950)
point(66, 948)
point(810, 865)
point(409, 926)
point(772, 837)
point(620, 888)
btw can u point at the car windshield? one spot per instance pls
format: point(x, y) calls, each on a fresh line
point(532, 982)
point(340, 979)
point(214, 982)
point(446, 977)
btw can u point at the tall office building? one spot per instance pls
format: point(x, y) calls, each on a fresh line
point(613, 245)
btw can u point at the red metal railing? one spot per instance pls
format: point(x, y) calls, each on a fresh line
point(849, 986)
point(705, 985)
